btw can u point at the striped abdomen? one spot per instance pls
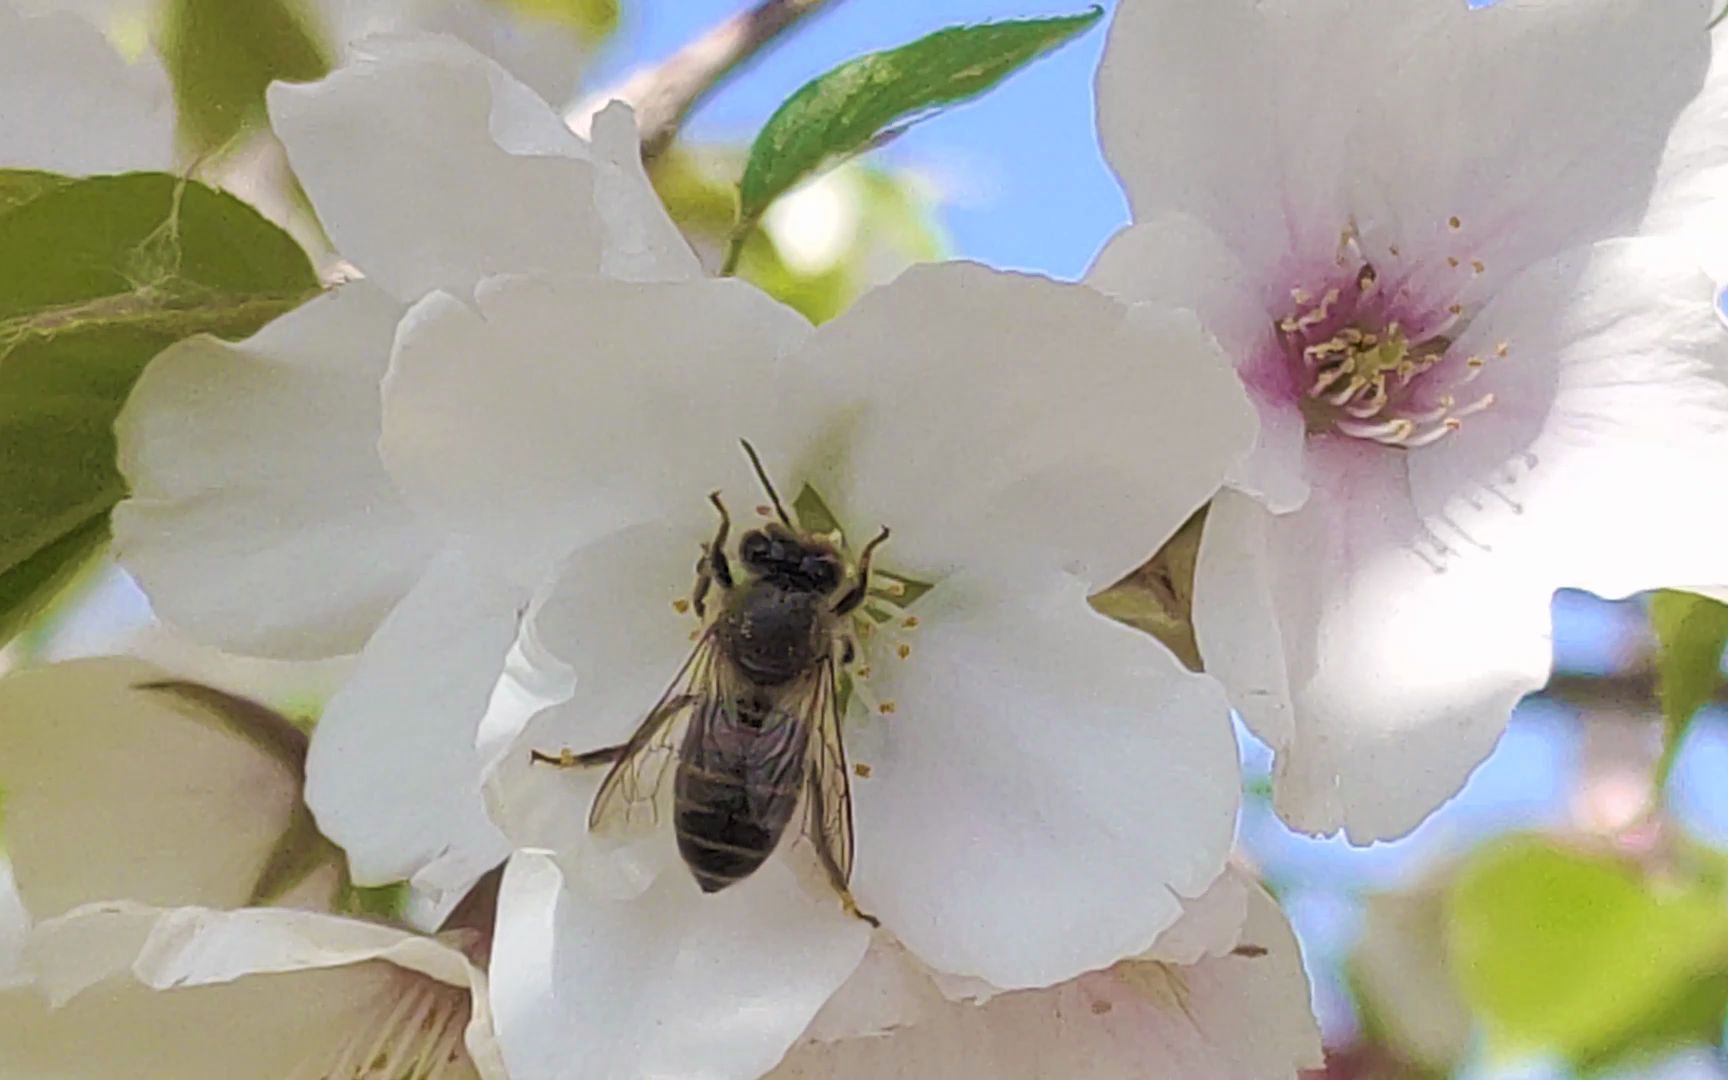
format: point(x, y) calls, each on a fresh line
point(740, 777)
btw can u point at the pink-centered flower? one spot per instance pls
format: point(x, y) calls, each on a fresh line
point(1411, 225)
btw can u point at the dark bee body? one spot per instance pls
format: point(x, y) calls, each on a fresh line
point(761, 700)
point(740, 776)
point(741, 768)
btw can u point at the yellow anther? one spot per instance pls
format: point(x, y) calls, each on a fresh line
point(1456, 309)
point(1476, 362)
point(1503, 348)
point(1478, 265)
point(764, 510)
point(904, 651)
point(864, 672)
point(886, 708)
point(861, 770)
point(1454, 223)
point(911, 622)
point(680, 605)
point(1452, 261)
point(694, 634)
point(893, 586)
point(1301, 296)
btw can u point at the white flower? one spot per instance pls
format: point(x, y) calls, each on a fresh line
point(1221, 996)
point(539, 50)
point(430, 168)
point(1036, 787)
point(1689, 201)
point(69, 103)
point(139, 824)
point(83, 739)
point(191, 993)
point(1400, 221)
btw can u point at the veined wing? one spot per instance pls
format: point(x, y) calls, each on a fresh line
point(829, 821)
point(629, 800)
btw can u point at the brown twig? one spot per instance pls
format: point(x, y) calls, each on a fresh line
point(664, 93)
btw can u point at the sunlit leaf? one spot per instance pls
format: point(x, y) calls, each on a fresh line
point(1692, 631)
point(1574, 952)
point(96, 277)
point(865, 100)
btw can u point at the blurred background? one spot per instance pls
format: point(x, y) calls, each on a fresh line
point(1566, 915)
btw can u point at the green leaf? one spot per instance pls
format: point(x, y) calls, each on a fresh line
point(19, 186)
point(1576, 952)
point(1691, 632)
point(866, 100)
point(222, 55)
point(96, 277)
point(31, 587)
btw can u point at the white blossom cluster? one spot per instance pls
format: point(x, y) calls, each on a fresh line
point(1417, 303)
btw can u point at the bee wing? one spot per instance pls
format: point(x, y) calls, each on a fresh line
point(628, 802)
point(829, 824)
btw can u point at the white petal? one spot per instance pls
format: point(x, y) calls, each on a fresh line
point(1691, 196)
point(672, 983)
point(889, 990)
point(564, 410)
point(544, 54)
point(1048, 788)
point(286, 992)
point(1178, 261)
point(1227, 1018)
point(14, 929)
point(642, 243)
point(400, 153)
point(1380, 665)
point(394, 772)
point(249, 525)
point(70, 104)
point(1212, 924)
point(113, 791)
point(1610, 418)
point(610, 620)
point(1240, 113)
point(975, 435)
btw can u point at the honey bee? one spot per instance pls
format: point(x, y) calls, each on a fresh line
point(750, 725)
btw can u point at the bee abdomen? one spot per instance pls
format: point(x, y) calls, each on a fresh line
point(727, 826)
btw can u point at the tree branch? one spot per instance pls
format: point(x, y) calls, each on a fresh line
point(664, 94)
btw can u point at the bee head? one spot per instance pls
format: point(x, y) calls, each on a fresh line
point(778, 555)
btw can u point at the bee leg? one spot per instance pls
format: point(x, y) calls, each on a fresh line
point(838, 880)
point(848, 652)
point(713, 565)
point(567, 759)
point(855, 596)
point(831, 866)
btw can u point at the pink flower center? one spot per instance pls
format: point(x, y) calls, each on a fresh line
point(1369, 360)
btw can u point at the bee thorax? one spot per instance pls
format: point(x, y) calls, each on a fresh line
point(774, 635)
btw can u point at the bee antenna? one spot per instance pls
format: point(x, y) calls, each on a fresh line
point(767, 484)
